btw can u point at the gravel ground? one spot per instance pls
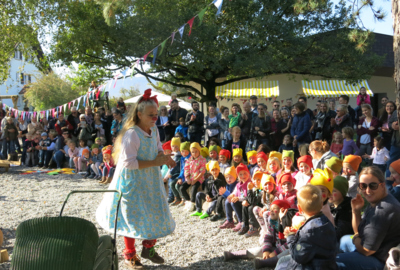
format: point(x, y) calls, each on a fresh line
point(195, 244)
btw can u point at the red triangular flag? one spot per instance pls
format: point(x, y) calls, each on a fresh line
point(144, 57)
point(190, 23)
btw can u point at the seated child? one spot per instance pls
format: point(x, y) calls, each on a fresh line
point(287, 144)
point(394, 179)
point(252, 161)
point(224, 156)
point(313, 245)
point(341, 207)
point(335, 165)
point(237, 157)
point(269, 194)
point(210, 194)
point(97, 159)
point(79, 160)
point(205, 153)
point(272, 244)
point(30, 150)
point(44, 142)
point(287, 163)
point(73, 152)
point(173, 194)
point(235, 199)
point(337, 143)
point(107, 166)
point(185, 155)
point(213, 151)
point(274, 163)
point(304, 163)
point(286, 182)
point(195, 168)
point(303, 149)
point(167, 151)
point(323, 180)
point(253, 199)
point(262, 161)
point(87, 160)
point(350, 168)
point(182, 128)
point(224, 192)
point(99, 142)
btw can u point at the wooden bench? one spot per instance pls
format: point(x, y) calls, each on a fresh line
point(6, 164)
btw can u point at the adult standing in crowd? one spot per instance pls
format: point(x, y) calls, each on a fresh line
point(367, 130)
point(332, 104)
point(342, 119)
point(106, 119)
point(211, 122)
point(162, 122)
point(34, 126)
point(277, 126)
point(89, 115)
point(60, 123)
point(384, 101)
point(117, 123)
point(247, 120)
point(320, 152)
point(195, 123)
point(344, 100)
point(139, 155)
point(395, 142)
point(275, 106)
point(376, 227)
point(253, 103)
point(73, 119)
point(387, 132)
point(323, 122)
point(261, 126)
point(175, 113)
point(287, 119)
point(224, 125)
point(289, 104)
point(301, 125)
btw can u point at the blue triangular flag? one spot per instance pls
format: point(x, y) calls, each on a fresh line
point(218, 4)
point(181, 30)
point(154, 55)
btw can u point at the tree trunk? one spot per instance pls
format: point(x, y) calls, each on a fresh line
point(396, 47)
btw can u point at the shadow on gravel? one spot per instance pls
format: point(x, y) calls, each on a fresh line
point(3, 198)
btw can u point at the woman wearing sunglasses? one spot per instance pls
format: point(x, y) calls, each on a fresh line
point(376, 227)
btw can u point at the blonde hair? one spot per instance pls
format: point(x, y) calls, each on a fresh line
point(338, 135)
point(273, 159)
point(132, 119)
point(309, 198)
point(303, 149)
point(349, 131)
point(236, 128)
point(320, 146)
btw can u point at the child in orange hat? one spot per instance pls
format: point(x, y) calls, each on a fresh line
point(350, 168)
point(286, 182)
point(304, 163)
point(394, 179)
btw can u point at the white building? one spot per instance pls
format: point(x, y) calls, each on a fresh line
point(21, 73)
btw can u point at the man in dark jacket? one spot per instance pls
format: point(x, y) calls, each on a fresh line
point(195, 122)
point(173, 118)
point(344, 100)
point(301, 125)
point(261, 126)
point(73, 119)
point(245, 122)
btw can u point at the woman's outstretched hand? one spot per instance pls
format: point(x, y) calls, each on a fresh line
point(162, 159)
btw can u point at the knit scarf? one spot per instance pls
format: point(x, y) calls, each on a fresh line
point(339, 120)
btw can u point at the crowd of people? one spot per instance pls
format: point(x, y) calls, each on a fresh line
point(320, 188)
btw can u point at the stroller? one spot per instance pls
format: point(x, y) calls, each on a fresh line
point(64, 243)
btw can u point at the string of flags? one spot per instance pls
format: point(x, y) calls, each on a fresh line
point(101, 90)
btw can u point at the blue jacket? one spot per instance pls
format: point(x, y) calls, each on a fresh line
point(182, 173)
point(301, 127)
point(229, 189)
point(97, 158)
point(183, 130)
point(395, 191)
point(175, 171)
point(313, 246)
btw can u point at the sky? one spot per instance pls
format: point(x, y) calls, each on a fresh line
point(382, 27)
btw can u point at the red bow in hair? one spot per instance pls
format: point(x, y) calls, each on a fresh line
point(147, 96)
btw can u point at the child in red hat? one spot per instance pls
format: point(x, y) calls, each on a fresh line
point(305, 165)
point(393, 182)
point(223, 159)
point(286, 182)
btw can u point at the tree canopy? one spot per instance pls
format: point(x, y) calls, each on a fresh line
point(249, 39)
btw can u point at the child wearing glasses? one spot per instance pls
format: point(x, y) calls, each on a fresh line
point(350, 168)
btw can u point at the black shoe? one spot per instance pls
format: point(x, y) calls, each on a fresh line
point(98, 177)
point(152, 255)
point(243, 230)
point(45, 167)
point(216, 217)
point(86, 176)
point(92, 176)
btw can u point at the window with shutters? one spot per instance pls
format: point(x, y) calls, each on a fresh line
point(18, 55)
point(22, 78)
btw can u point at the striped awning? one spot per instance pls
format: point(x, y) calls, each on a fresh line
point(243, 89)
point(333, 88)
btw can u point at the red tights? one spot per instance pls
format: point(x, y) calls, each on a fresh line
point(130, 250)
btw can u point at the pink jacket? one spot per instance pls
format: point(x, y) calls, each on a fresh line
point(240, 190)
point(366, 99)
point(193, 167)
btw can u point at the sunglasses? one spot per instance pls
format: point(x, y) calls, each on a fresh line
point(372, 186)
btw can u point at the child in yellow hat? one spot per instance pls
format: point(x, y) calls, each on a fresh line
point(252, 161)
point(237, 157)
point(210, 194)
point(174, 196)
point(323, 179)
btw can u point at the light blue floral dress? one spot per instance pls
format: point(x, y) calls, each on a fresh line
point(144, 212)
